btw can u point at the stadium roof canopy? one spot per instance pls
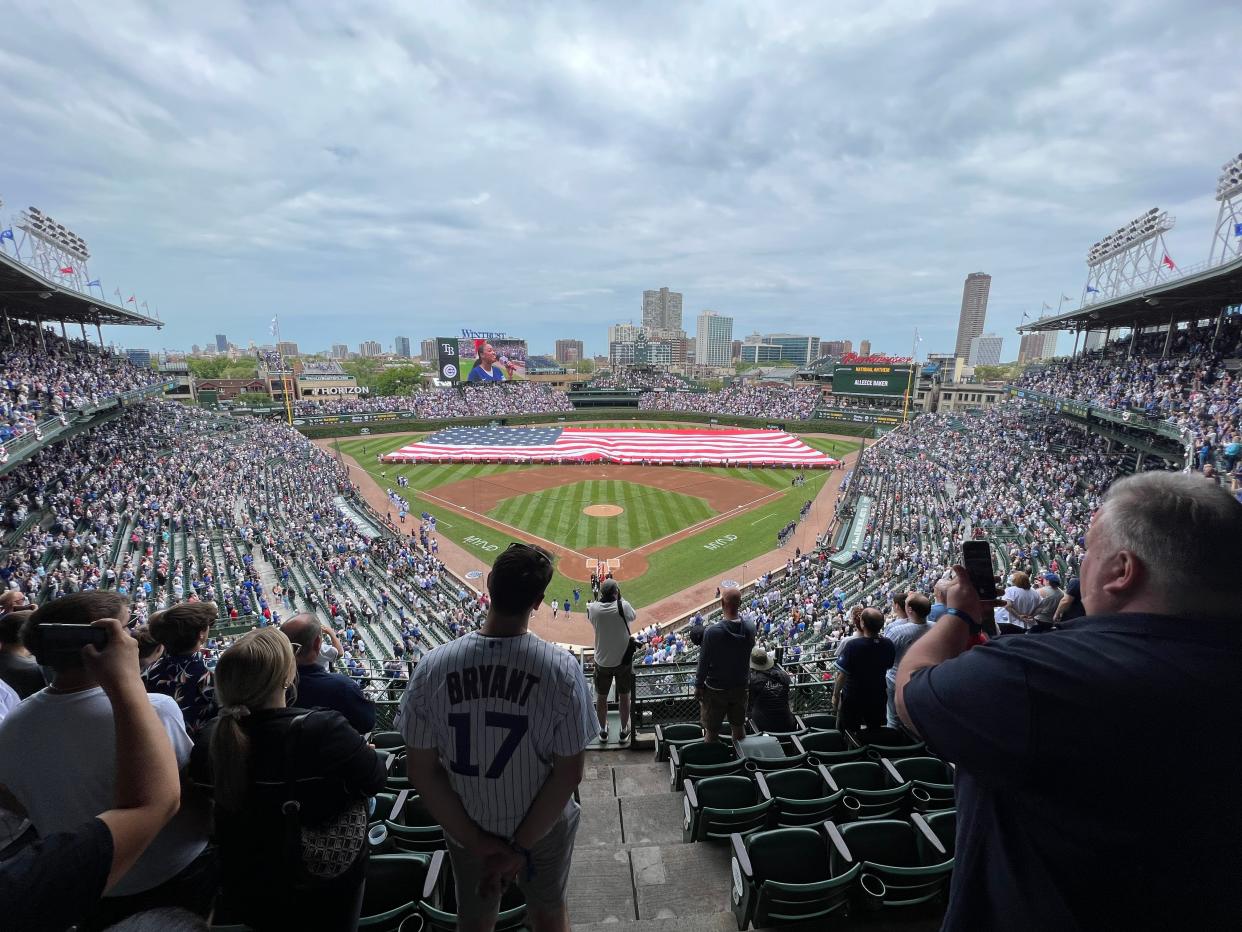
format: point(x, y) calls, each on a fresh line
point(1197, 296)
point(26, 295)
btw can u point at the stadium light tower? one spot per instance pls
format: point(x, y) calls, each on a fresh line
point(1129, 258)
point(1227, 241)
point(52, 249)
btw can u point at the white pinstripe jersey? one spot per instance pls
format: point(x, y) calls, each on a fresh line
point(498, 710)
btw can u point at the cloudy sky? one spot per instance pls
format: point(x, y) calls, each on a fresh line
point(368, 169)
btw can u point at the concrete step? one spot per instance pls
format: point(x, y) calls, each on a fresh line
point(710, 922)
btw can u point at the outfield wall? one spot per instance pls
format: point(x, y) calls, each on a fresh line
point(347, 425)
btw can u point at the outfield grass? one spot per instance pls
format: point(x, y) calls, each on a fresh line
point(701, 556)
point(557, 514)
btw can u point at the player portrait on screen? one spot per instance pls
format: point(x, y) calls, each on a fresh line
point(488, 366)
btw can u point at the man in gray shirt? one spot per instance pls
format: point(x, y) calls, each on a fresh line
point(611, 618)
point(903, 634)
point(720, 683)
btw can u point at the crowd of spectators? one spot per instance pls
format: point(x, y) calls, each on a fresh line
point(50, 377)
point(774, 402)
point(493, 400)
point(1191, 386)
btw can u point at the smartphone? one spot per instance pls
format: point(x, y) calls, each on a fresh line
point(977, 558)
point(70, 639)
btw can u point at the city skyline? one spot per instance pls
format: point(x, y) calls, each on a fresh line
point(832, 175)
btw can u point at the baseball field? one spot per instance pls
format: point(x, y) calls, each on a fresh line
point(662, 528)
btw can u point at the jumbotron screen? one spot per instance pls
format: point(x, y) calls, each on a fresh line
point(499, 360)
point(891, 381)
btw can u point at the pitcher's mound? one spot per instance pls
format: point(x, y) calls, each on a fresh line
point(602, 511)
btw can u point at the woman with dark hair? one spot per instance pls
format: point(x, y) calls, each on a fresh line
point(182, 673)
point(257, 755)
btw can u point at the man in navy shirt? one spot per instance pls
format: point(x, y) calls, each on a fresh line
point(1097, 765)
point(721, 678)
point(319, 689)
point(861, 666)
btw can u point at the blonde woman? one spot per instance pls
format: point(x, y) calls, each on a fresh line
point(257, 754)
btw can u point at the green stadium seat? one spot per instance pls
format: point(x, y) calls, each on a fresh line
point(678, 735)
point(931, 781)
point(717, 807)
point(818, 721)
point(394, 883)
point(942, 824)
point(701, 759)
point(886, 742)
point(903, 863)
point(438, 905)
point(800, 797)
point(827, 747)
point(870, 790)
point(397, 779)
point(785, 876)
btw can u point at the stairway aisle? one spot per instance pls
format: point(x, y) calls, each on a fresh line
point(631, 869)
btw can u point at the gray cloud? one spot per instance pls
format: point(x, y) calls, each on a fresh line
point(368, 169)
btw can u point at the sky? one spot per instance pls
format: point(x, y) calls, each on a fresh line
point(369, 169)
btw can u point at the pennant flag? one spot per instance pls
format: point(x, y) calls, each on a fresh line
point(94, 284)
point(1047, 306)
point(131, 300)
point(118, 294)
point(1169, 262)
point(1237, 231)
point(1091, 290)
point(1025, 315)
point(144, 306)
point(67, 270)
point(8, 233)
point(1066, 297)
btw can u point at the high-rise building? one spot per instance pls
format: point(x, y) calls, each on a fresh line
point(713, 339)
point(623, 333)
point(835, 348)
point(222, 343)
point(340, 351)
point(287, 348)
point(569, 351)
point(401, 346)
point(795, 348)
point(429, 351)
point(662, 309)
point(1095, 339)
point(760, 352)
point(1036, 346)
point(864, 348)
point(370, 348)
point(985, 350)
point(974, 310)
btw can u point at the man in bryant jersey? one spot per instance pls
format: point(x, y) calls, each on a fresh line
point(496, 724)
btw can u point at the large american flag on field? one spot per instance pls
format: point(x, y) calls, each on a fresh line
point(622, 445)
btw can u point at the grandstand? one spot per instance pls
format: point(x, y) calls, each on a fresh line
point(105, 486)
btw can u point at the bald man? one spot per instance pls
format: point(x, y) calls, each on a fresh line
point(720, 683)
point(316, 687)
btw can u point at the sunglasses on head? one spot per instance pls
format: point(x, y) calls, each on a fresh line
point(518, 545)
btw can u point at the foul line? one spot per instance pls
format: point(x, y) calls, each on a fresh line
point(764, 518)
point(505, 528)
point(695, 528)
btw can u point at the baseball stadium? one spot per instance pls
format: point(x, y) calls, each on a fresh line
point(501, 640)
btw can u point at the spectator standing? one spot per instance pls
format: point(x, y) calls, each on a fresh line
point(917, 607)
point(1017, 614)
point(768, 694)
point(17, 667)
point(256, 755)
point(1071, 603)
point(862, 663)
point(720, 681)
point(1034, 850)
point(181, 673)
point(611, 617)
point(496, 724)
point(1050, 595)
point(58, 880)
point(316, 687)
point(58, 764)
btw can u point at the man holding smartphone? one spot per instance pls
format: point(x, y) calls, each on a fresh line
point(1059, 745)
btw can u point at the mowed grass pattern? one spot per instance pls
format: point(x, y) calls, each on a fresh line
point(557, 514)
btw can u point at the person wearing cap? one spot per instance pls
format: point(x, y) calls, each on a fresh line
point(1050, 595)
point(768, 699)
